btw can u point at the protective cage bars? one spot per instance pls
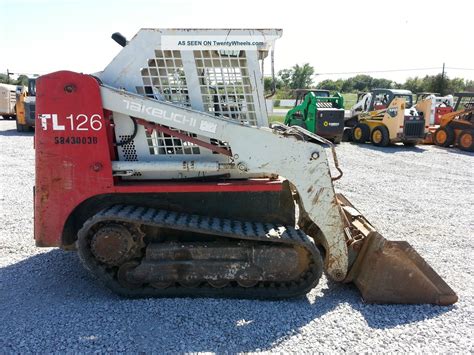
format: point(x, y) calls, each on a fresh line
point(224, 85)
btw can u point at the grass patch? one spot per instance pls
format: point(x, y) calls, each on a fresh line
point(275, 118)
point(349, 100)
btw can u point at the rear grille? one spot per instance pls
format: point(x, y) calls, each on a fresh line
point(324, 105)
point(30, 111)
point(32, 114)
point(414, 129)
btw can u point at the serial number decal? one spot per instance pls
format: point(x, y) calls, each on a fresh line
point(75, 140)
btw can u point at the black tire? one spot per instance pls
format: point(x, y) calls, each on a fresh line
point(21, 127)
point(361, 133)
point(380, 136)
point(444, 136)
point(465, 140)
point(351, 122)
point(347, 135)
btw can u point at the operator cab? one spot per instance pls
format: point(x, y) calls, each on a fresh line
point(465, 100)
point(360, 95)
point(381, 98)
point(32, 87)
point(301, 94)
point(420, 96)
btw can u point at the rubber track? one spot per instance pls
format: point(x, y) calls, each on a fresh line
point(253, 231)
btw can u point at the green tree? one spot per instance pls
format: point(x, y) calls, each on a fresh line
point(3, 79)
point(438, 83)
point(331, 85)
point(348, 85)
point(22, 80)
point(362, 82)
point(268, 83)
point(285, 76)
point(382, 83)
point(415, 84)
point(298, 77)
point(469, 85)
point(456, 85)
point(302, 76)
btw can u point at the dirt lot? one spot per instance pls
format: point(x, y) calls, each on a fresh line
point(423, 195)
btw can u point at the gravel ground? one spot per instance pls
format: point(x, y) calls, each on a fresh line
point(423, 195)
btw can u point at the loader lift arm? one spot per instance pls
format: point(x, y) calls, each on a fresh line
point(304, 164)
point(384, 271)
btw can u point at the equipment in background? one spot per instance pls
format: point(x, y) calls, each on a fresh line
point(434, 106)
point(318, 112)
point(457, 128)
point(7, 101)
point(163, 173)
point(362, 105)
point(25, 106)
point(388, 117)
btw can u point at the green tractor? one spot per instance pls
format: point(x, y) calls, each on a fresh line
point(318, 112)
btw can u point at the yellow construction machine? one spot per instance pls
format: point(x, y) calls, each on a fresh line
point(25, 106)
point(390, 118)
point(457, 127)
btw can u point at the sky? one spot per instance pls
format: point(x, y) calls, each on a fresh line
point(338, 36)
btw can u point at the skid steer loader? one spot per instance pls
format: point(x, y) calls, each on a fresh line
point(25, 107)
point(457, 127)
point(169, 187)
point(434, 106)
point(318, 112)
point(390, 118)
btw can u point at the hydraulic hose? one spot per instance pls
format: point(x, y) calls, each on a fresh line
point(132, 137)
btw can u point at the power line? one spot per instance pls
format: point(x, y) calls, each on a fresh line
point(453, 68)
point(379, 71)
point(392, 70)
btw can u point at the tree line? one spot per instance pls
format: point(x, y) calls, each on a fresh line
point(301, 76)
point(21, 80)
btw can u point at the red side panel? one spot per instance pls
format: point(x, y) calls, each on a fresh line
point(73, 143)
point(72, 154)
point(254, 185)
point(439, 112)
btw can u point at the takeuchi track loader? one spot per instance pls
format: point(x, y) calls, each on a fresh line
point(163, 174)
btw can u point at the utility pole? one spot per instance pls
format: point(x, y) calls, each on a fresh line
point(443, 83)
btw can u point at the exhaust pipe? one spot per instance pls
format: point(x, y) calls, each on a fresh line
point(119, 38)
